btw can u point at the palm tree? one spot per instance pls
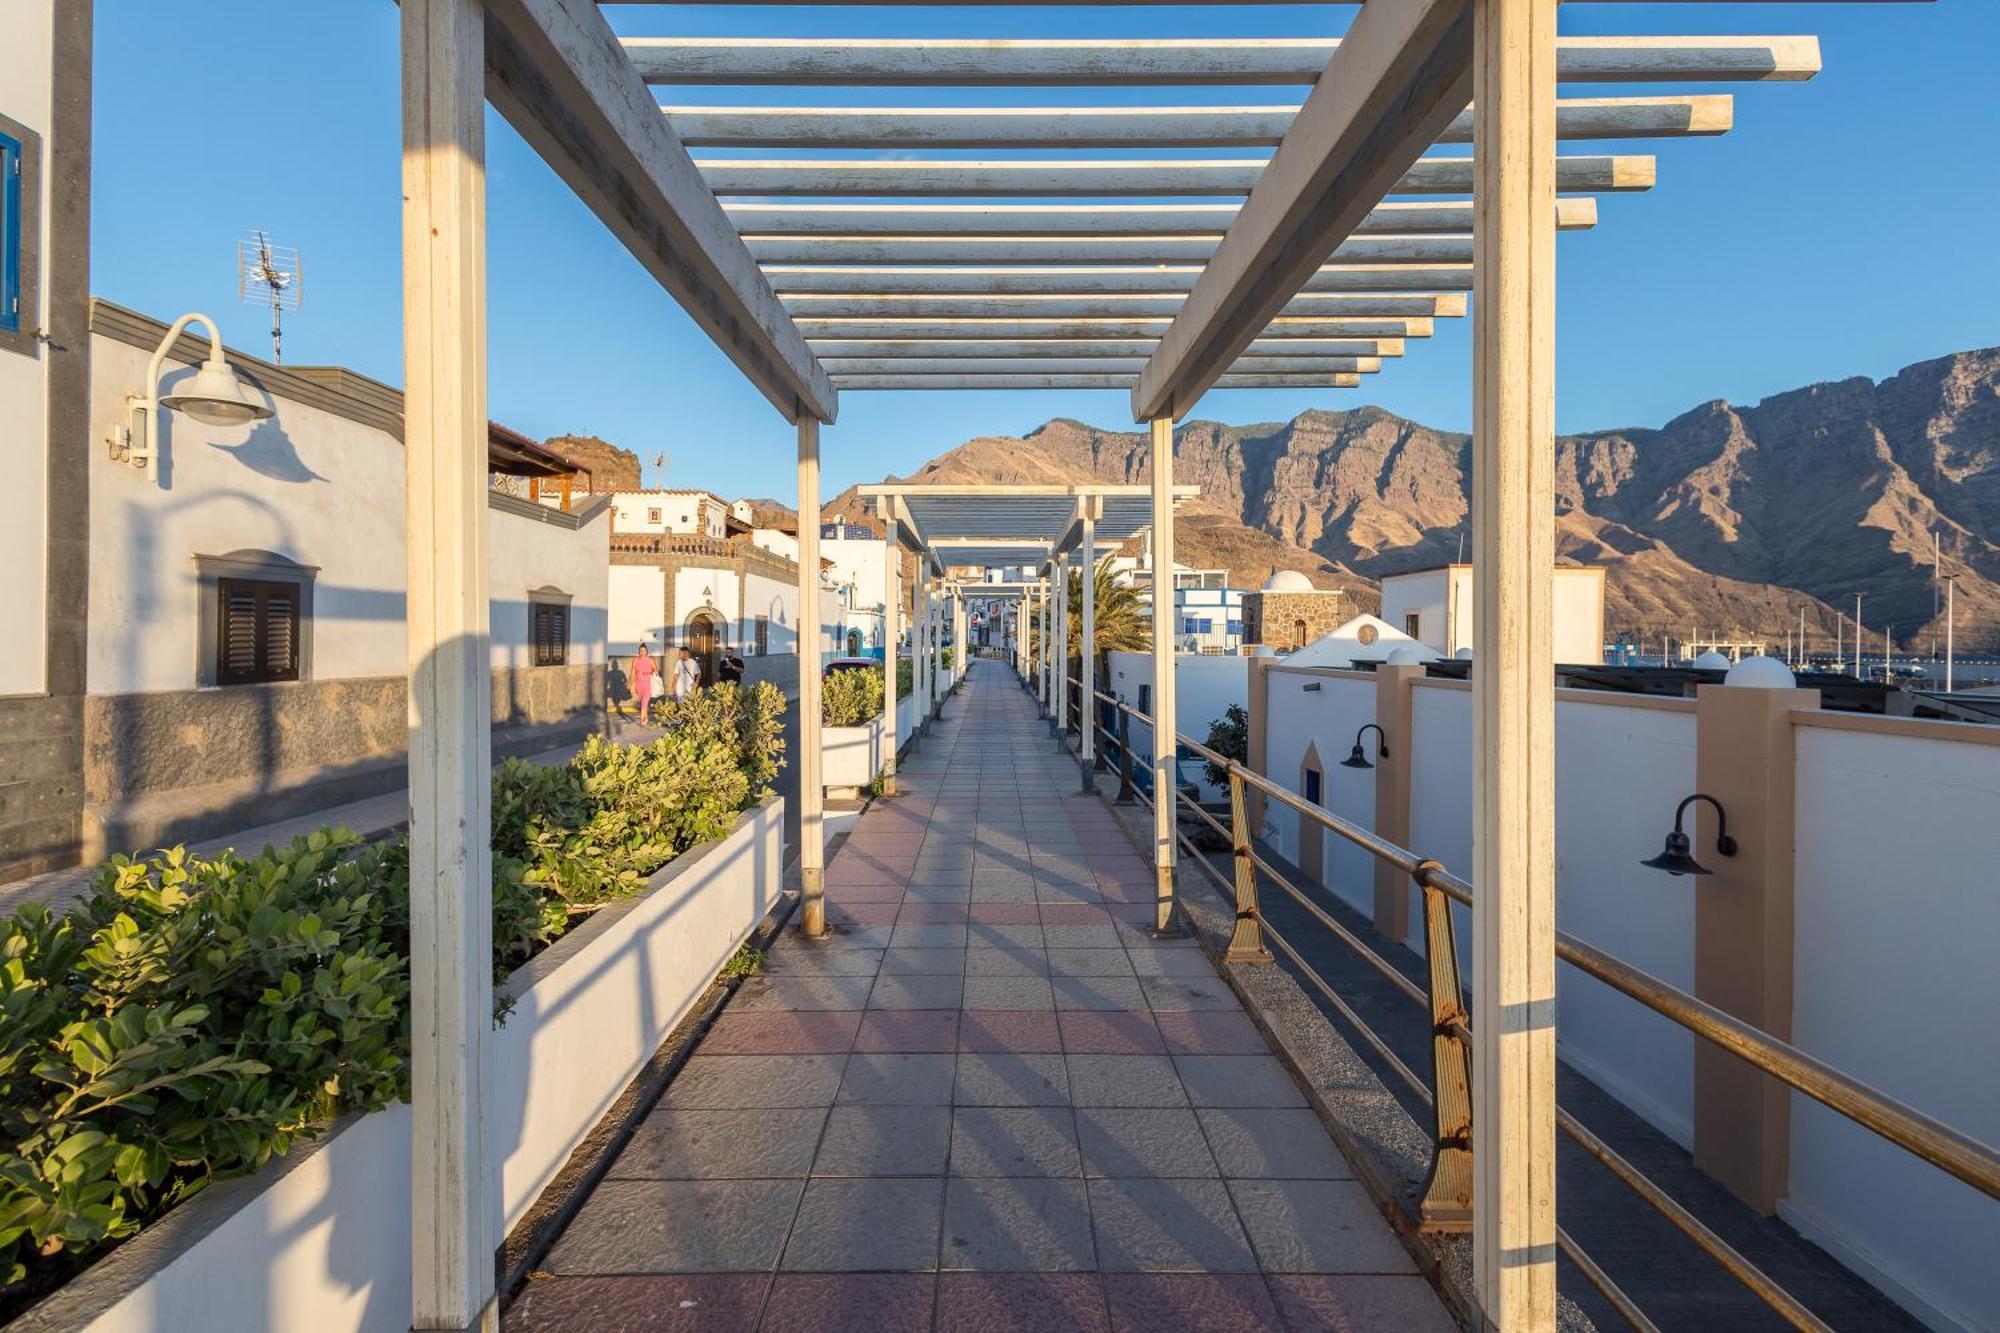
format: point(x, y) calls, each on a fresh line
point(1121, 622)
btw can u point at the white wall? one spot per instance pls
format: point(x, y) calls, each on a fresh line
point(1322, 721)
point(308, 485)
point(1897, 918)
point(1622, 765)
point(637, 599)
point(26, 82)
point(1425, 595)
point(527, 555)
point(1442, 599)
point(696, 513)
point(1441, 796)
point(1204, 687)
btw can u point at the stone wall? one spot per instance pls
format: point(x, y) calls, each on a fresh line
point(1273, 617)
point(189, 764)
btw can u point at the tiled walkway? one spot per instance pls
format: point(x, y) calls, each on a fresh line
point(989, 1102)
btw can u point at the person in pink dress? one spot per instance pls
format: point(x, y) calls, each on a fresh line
point(642, 680)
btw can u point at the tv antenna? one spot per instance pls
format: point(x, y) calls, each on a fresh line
point(660, 462)
point(272, 275)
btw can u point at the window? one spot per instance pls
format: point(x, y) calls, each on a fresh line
point(257, 631)
point(1413, 624)
point(1236, 627)
point(763, 636)
point(1298, 634)
point(1311, 784)
point(1146, 700)
point(20, 191)
point(548, 628)
point(652, 516)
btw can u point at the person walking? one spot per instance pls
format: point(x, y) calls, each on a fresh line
point(687, 676)
point(730, 670)
point(642, 680)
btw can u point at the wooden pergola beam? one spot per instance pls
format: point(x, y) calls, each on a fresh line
point(1400, 76)
point(838, 367)
point(946, 329)
point(558, 74)
point(1168, 62)
point(1134, 127)
point(1398, 217)
point(1086, 280)
point(1338, 380)
point(870, 250)
point(807, 305)
point(1047, 178)
point(832, 350)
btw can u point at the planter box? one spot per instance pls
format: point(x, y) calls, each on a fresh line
point(321, 1239)
point(906, 721)
point(851, 756)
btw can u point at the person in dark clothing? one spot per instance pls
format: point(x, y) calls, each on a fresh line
point(730, 669)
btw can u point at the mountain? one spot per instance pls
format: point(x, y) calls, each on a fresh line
point(1727, 519)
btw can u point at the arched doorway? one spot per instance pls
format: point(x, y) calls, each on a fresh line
point(703, 638)
point(854, 643)
point(1312, 837)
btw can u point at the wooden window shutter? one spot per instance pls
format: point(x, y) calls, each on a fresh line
point(257, 631)
point(550, 632)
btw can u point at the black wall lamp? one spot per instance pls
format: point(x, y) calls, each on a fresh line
point(1357, 758)
point(1677, 858)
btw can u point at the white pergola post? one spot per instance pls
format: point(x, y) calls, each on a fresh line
point(812, 792)
point(892, 570)
point(925, 641)
point(454, 1211)
point(1513, 516)
point(1166, 783)
point(1059, 616)
point(1087, 648)
point(961, 644)
point(1046, 653)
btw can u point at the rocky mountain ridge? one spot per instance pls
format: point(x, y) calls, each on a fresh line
point(1725, 520)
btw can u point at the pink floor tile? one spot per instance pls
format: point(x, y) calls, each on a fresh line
point(864, 893)
point(1210, 1032)
point(932, 914)
point(1020, 1303)
point(1356, 1303)
point(908, 1030)
point(1073, 914)
point(782, 1033)
point(850, 1303)
point(692, 1303)
point(865, 914)
point(1005, 914)
point(1194, 1302)
point(1020, 1031)
point(1109, 1032)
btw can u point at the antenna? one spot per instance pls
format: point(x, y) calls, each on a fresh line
point(660, 462)
point(272, 275)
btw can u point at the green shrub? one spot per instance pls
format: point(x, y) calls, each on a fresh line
point(946, 656)
point(851, 698)
point(1228, 736)
point(905, 677)
point(197, 1015)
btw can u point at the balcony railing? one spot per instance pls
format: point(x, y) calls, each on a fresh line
point(1446, 1199)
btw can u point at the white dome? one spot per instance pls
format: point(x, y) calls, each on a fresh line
point(1265, 650)
point(1465, 654)
point(1710, 661)
point(1288, 580)
point(1407, 655)
point(1761, 673)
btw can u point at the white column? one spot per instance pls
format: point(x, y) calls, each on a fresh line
point(892, 614)
point(1046, 656)
point(926, 640)
point(1060, 619)
point(1087, 648)
point(1513, 507)
point(812, 791)
point(454, 1207)
point(1165, 778)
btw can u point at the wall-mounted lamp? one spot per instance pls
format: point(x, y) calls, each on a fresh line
point(1677, 858)
point(213, 396)
point(1357, 757)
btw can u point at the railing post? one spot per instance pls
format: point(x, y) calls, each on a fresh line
point(1126, 793)
point(1246, 943)
point(1447, 1195)
point(1098, 763)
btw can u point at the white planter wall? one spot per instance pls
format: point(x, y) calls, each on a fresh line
point(851, 756)
point(321, 1241)
point(1897, 916)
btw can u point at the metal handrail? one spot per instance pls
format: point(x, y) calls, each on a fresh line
point(1963, 1157)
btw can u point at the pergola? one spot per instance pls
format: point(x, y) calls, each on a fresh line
point(1044, 528)
point(1341, 235)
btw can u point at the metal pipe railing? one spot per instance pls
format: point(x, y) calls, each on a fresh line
point(1961, 1156)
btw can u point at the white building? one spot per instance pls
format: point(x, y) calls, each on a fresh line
point(1434, 606)
point(248, 655)
point(1364, 638)
point(689, 513)
point(1210, 619)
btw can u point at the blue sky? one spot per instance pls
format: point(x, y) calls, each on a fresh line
point(1847, 226)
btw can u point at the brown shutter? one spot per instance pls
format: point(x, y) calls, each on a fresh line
point(257, 631)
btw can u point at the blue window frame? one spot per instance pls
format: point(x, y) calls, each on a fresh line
point(1235, 627)
point(10, 233)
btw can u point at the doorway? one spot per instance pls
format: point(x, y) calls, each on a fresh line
point(704, 639)
point(1312, 838)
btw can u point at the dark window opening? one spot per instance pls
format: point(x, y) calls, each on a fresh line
point(257, 631)
point(1413, 625)
point(1311, 785)
point(549, 637)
